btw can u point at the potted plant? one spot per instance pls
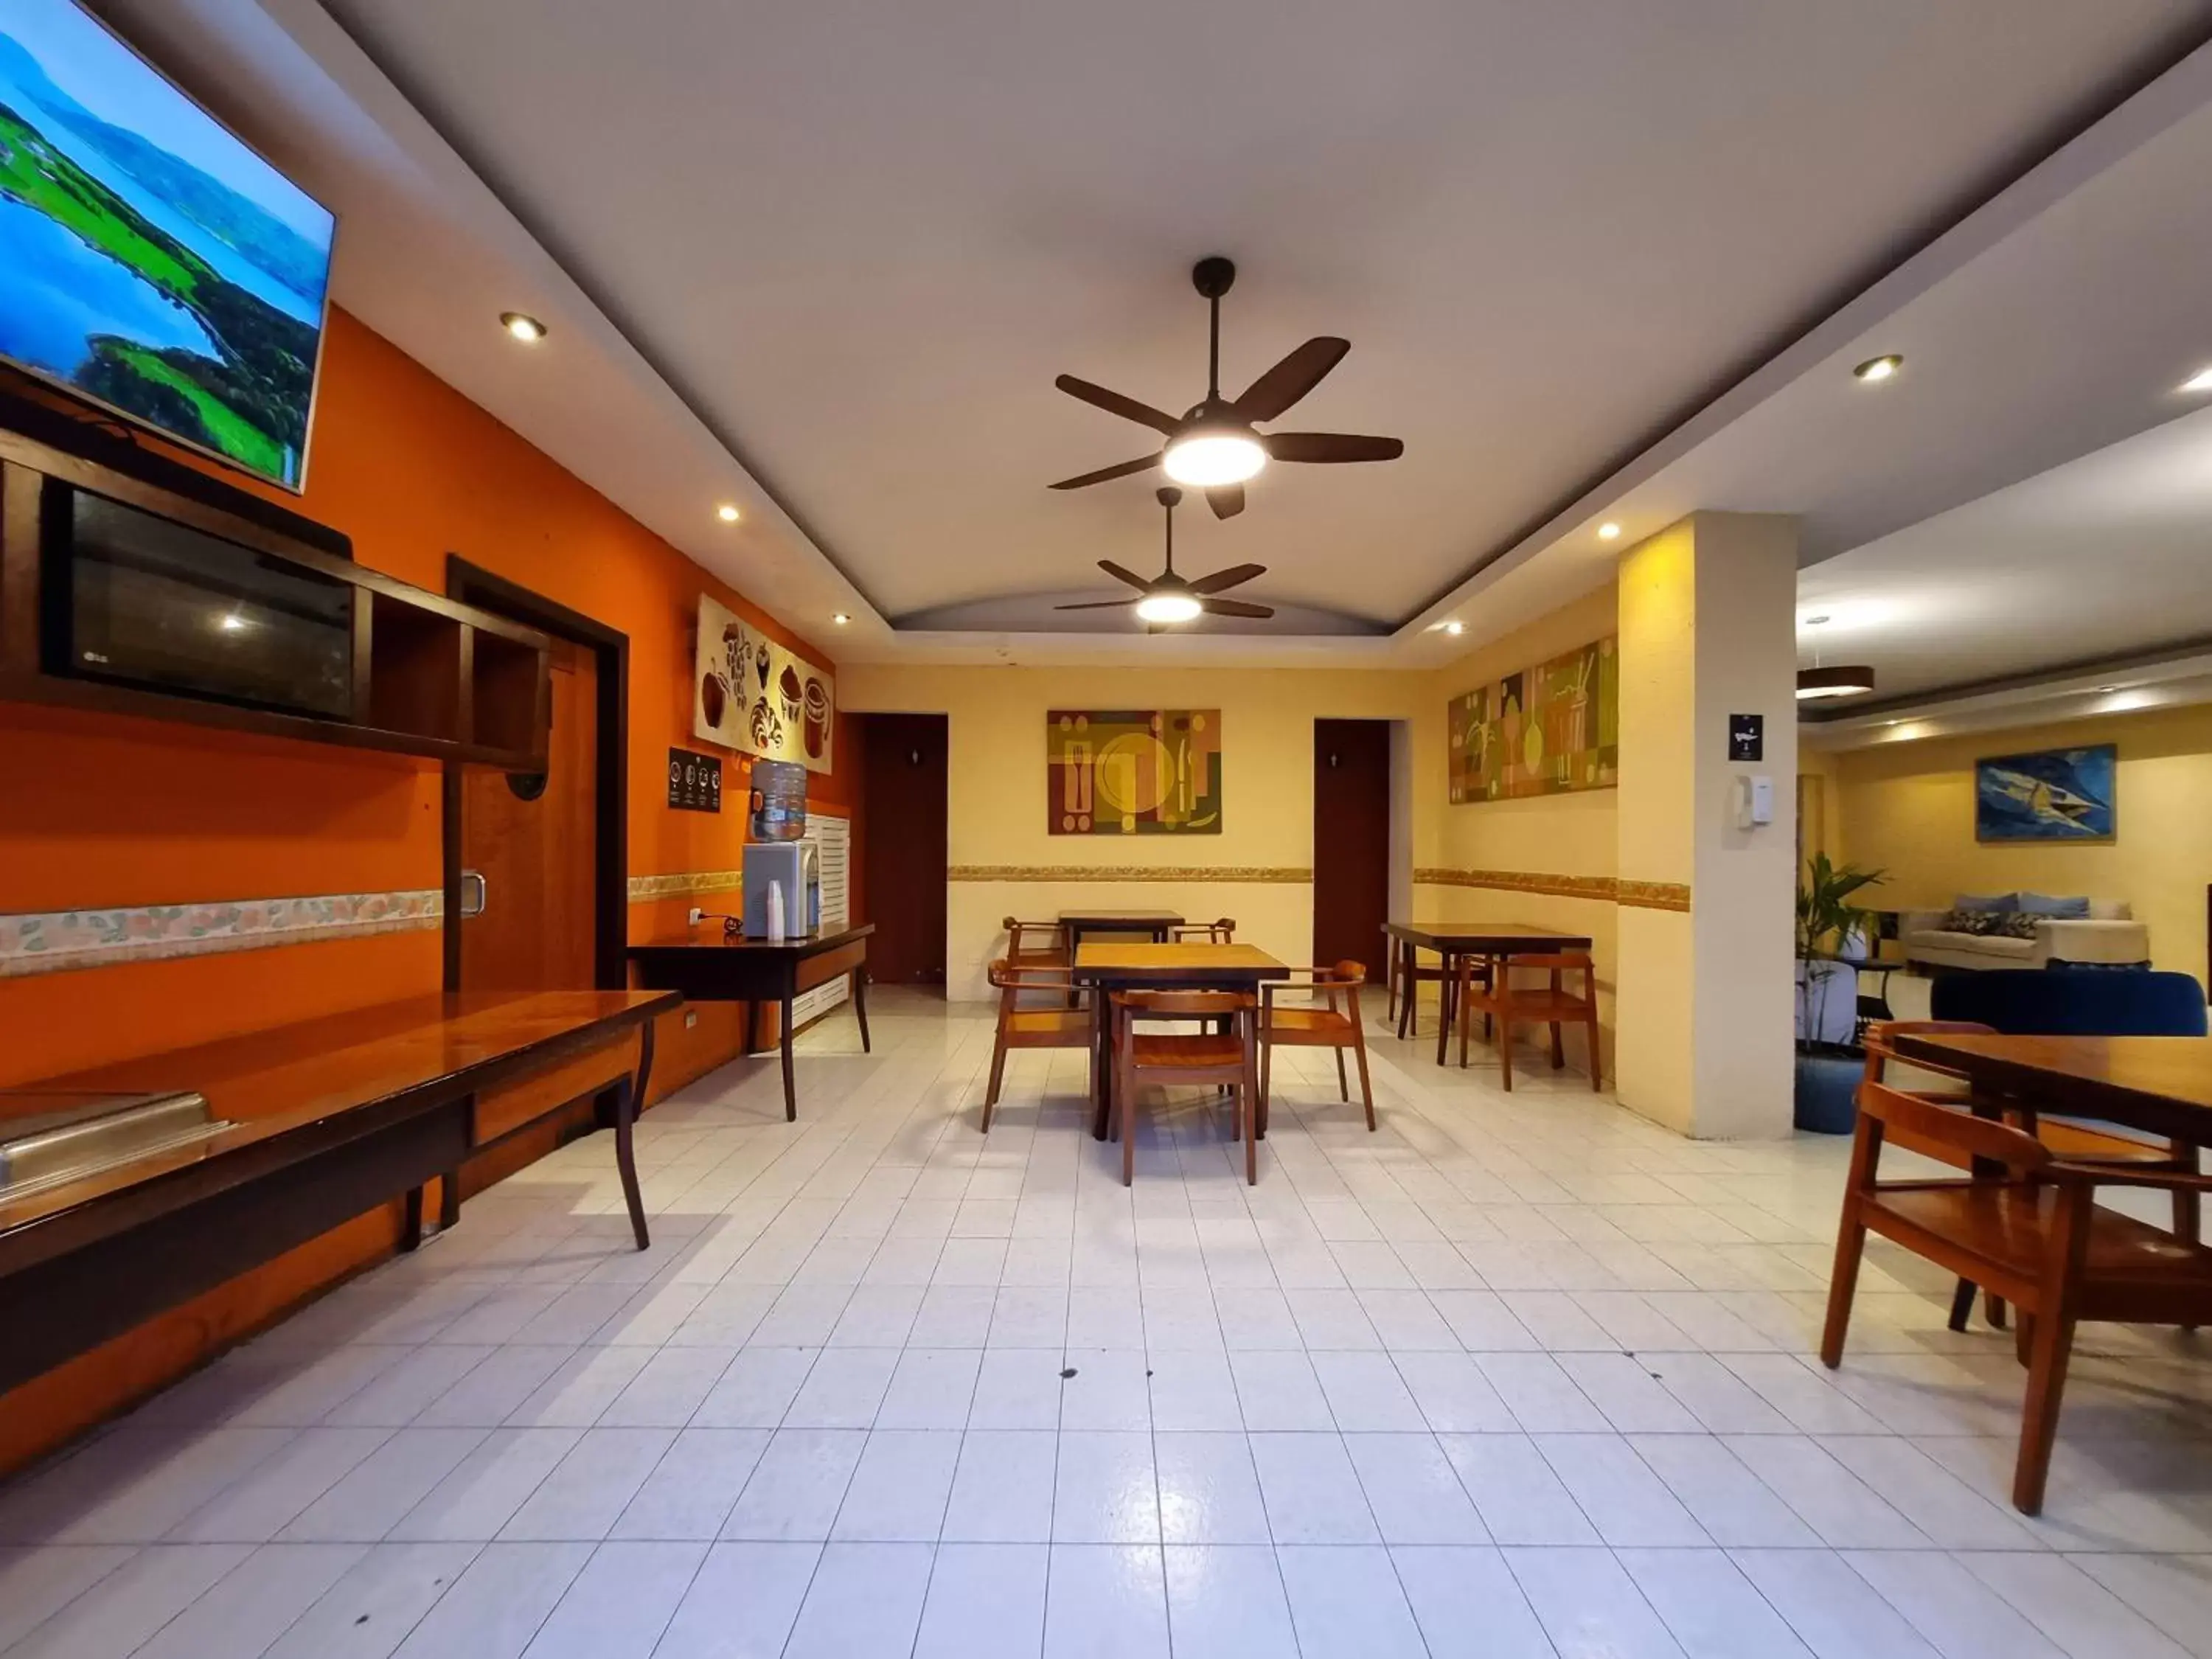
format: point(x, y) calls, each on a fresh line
point(1833, 934)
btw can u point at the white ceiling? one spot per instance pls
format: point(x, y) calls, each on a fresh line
point(2104, 557)
point(1578, 248)
point(861, 240)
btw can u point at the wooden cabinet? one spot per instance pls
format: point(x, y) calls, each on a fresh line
point(428, 675)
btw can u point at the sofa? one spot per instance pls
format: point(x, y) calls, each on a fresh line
point(2023, 930)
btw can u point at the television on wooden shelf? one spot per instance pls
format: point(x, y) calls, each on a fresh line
point(150, 262)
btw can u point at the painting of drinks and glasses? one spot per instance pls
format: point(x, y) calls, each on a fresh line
point(148, 259)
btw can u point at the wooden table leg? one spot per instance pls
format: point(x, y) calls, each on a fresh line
point(790, 1089)
point(1408, 987)
point(449, 1200)
point(1102, 1065)
point(1447, 1001)
point(410, 1223)
point(628, 1093)
point(860, 1004)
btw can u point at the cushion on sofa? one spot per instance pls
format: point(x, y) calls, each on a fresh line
point(2042, 904)
point(1986, 902)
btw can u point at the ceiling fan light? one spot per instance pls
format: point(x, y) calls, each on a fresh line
point(1203, 459)
point(1815, 683)
point(1170, 608)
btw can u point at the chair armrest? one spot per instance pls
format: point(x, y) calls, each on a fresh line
point(2123, 1175)
point(2074, 940)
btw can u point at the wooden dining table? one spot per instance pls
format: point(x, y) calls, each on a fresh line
point(1453, 941)
point(2160, 1086)
point(1106, 968)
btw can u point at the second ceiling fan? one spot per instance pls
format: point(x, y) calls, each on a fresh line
point(1169, 598)
point(1211, 446)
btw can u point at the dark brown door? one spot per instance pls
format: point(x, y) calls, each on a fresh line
point(1351, 842)
point(529, 857)
point(903, 772)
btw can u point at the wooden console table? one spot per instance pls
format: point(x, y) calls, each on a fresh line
point(322, 1121)
point(709, 966)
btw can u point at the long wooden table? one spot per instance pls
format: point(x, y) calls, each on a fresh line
point(321, 1121)
point(1454, 939)
point(708, 965)
point(2161, 1086)
point(1155, 924)
point(1106, 968)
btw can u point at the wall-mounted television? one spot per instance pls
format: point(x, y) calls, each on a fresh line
point(149, 261)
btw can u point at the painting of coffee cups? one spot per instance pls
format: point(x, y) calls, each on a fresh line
point(756, 695)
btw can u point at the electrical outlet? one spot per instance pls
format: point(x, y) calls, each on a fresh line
point(694, 916)
point(690, 1019)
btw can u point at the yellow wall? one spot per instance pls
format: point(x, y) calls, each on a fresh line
point(1558, 836)
point(997, 794)
point(1909, 808)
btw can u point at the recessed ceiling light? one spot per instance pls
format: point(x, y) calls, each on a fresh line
point(1815, 622)
point(525, 328)
point(1455, 629)
point(1608, 531)
point(2200, 381)
point(1880, 368)
point(841, 619)
point(2108, 689)
point(727, 512)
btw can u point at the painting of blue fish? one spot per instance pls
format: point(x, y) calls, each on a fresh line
point(2054, 794)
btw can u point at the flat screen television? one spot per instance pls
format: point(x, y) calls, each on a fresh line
point(149, 261)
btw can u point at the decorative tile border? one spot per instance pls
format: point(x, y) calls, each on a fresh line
point(1655, 895)
point(1283, 875)
point(644, 889)
point(1606, 889)
point(59, 940)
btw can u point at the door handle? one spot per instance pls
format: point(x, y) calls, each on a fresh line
point(482, 897)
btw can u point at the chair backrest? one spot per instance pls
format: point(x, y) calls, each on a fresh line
point(1222, 931)
point(1054, 934)
point(1961, 1134)
point(1181, 1002)
point(1878, 1052)
point(1009, 974)
point(2072, 1002)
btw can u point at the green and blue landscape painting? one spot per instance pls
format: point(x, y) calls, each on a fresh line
point(148, 258)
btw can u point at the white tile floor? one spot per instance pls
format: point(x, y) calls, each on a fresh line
point(1514, 1376)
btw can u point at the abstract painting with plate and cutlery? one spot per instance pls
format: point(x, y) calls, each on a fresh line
point(1133, 772)
point(758, 696)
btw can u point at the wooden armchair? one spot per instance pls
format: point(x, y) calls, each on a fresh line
point(1225, 1060)
point(1553, 1005)
point(1037, 945)
point(1033, 1028)
point(1334, 1024)
point(2030, 1230)
point(2078, 1143)
point(1222, 931)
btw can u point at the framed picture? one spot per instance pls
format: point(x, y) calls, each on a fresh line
point(2053, 794)
point(756, 696)
point(1133, 771)
point(1547, 730)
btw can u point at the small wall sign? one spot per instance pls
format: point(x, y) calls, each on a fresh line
point(695, 781)
point(1747, 736)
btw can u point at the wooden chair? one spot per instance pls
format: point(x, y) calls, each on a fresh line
point(1405, 994)
point(1222, 931)
point(1204, 1057)
point(1552, 1005)
point(2077, 1143)
point(2033, 1234)
point(1033, 1028)
point(1045, 946)
point(1334, 1025)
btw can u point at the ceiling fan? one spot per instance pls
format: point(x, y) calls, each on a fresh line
point(1211, 446)
point(1169, 598)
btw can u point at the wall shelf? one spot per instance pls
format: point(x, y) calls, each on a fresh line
point(430, 676)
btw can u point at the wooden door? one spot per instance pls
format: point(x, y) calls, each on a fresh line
point(904, 772)
point(536, 856)
point(1351, 842)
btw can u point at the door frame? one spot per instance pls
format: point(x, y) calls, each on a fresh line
point(474, 585)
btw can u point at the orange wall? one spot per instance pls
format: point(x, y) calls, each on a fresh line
point(100, 811)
